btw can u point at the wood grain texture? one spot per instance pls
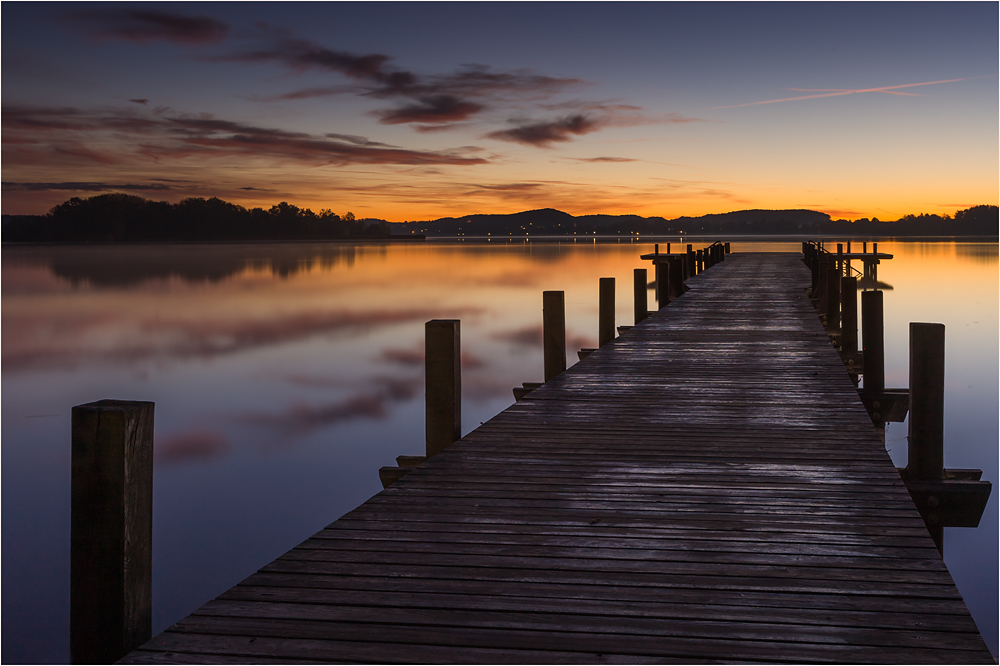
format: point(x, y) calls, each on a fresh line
point(708, 487)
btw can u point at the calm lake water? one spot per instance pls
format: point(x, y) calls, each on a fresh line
point(285, 375)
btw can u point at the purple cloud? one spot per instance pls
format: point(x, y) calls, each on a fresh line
point(200, 445)
point(543, 134)
point(436, 109)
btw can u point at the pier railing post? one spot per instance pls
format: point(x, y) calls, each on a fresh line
point(606, 311)
point(926, 430)
point(111, 530)
point(662, 285)
point(833, 300)
point(639, 285)
point(873, 343)
point(554, 332)
point(443, 384)
point(849, 314)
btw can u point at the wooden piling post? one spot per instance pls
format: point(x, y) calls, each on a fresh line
point(554, 332)
point(111, 530)
point(849, 314)
point(926, 430)
point(662, 285)
point(676, 280)
point(873, 343)
point(443, 384)
point(606, 311)
point(689, 268)
point(726, 245)
point(699, 261)
point(639, 285)
point(833, 299)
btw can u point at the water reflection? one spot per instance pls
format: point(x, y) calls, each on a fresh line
point(285, 375)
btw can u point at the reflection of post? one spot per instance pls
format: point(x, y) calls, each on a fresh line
point(554, 332)
point(606, 311)
point(849, 314)
point(111, 530)
point(639, 284)
point(926, 433)
point(873, 363)
point(443, 384)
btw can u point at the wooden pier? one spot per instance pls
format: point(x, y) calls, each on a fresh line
point(708, 487)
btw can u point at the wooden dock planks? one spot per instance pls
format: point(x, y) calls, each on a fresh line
point(707, 488)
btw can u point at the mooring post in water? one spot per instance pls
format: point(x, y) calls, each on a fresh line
point(606, 311)
point(639, 285)
point(849, 314)
point(727, 248)
point(443, 384)
point(676, 280)
point(111, 530)
point(873, 343)
point(824, 273)
point(926, 432)
point(554, 332)
point(833, 300)
point(689, 266)
point(662, 285)
point(699, 260)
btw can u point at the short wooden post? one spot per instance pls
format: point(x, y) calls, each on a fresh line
point(849, 314)
point(111, 530)
point(639, 284)
point(926, 431)
point(833, 299)
point(442, 384)
point(606, 311)
point(727, 248)
point(873, 343)
point(554, 332)
point(676, 283)
point(662, 285)
point(699, 260)
point(689, 269)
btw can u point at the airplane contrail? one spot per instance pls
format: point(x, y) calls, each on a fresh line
point(837, 92)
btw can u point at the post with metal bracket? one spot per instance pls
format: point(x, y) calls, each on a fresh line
point(944, 497)
point(554, 332)
point(639, 285)
point(111, 530)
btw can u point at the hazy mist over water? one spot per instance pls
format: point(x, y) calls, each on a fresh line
point(285, 375)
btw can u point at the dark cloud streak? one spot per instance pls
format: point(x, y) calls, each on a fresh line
point(146, 25)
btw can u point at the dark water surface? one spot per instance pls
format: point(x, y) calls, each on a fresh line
point(285, 375)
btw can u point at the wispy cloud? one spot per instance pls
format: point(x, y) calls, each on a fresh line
point(145, 25)
point(838, 92)
point(85, 187)
point(163, 134)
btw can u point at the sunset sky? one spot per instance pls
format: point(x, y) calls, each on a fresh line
point(414, 111)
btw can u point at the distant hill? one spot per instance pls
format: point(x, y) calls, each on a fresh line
point(976, 221)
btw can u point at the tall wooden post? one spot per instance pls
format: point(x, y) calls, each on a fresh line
point(727, 248)
point(689, 269)
point(824, 274)
point(676, 284)
point(443, 384)
point(849, 314)
point(111, 530)
point(662, 285)
point(833, 299)
point(639, 285)
point(926, 432)
point(873, 343)
point(606, 311)
point(699, 259)
point(554, 332)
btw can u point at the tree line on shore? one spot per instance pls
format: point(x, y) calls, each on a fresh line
point(110, 218)
point(126, 218)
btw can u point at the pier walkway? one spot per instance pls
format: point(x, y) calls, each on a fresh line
point(706, 488)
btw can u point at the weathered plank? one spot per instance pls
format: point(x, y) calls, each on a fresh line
point(708, 487)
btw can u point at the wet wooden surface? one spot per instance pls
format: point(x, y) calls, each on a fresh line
point(706, 488)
